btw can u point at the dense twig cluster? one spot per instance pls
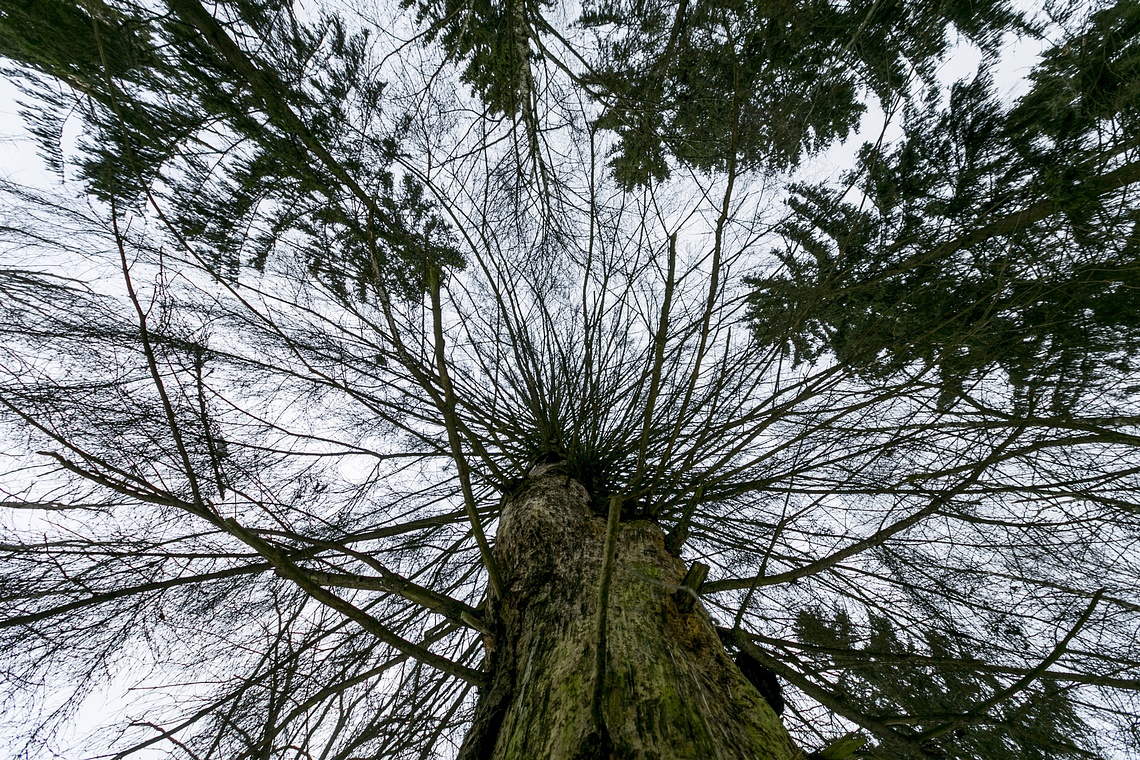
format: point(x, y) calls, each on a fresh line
point(266, 390)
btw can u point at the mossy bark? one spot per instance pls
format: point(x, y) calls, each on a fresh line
point(667, 688)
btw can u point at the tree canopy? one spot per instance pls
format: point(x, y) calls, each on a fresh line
point(314, 288)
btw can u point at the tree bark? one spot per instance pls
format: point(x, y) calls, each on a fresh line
point(663, 687)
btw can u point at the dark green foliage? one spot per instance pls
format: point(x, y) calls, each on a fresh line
point(1084, 109)
point(712, 83)
point(721, 82)
point(65, 40)
point(110, 62)
point(986, 239)
point(490, 38)
point(993, 248)
point(883, 672)
point(170, 117)
point(727, 82)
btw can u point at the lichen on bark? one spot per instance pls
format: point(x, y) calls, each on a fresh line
point(668, 688)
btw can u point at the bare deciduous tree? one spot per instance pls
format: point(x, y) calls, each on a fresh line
point(454, 381)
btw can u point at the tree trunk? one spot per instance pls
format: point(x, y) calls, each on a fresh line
point(667, 688)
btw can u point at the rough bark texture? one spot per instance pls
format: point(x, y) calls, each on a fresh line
point(668, 690)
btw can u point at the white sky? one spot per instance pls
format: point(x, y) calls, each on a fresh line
point(20, 163)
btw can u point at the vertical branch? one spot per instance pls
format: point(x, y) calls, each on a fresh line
point(524, 77)
point(776, 531)
point(451, 423)
point(610, 552)
point(677, 537)
point(658, 362)
point(216, 447)
point(710, 303)
point(156, 376)
point(419, 374)
point(527, 95)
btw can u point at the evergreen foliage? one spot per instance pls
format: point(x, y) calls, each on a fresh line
point(988, 238)
point(316, 288)
point(227, 138)
point(716, 84)
point(885, 674)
